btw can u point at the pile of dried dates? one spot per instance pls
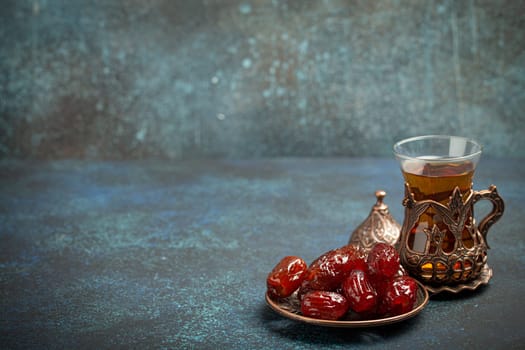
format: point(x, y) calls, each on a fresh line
point(346, 280)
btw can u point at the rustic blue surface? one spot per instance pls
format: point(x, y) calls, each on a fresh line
point(244, 79)
point(153, 254)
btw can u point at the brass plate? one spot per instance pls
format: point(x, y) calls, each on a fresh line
point(291, 308)
point(483, 278)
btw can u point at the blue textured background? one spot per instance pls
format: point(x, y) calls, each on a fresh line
point(180, 79)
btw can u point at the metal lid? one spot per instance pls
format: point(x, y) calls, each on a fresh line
point(379, 226)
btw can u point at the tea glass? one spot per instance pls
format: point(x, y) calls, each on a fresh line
point(440, 242)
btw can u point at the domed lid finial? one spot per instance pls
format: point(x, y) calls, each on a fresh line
point(380, 195)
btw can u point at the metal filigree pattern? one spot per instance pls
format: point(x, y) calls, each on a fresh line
point(379, 226)
point(455, 250)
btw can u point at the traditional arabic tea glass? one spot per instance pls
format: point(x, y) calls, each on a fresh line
point(440, 242)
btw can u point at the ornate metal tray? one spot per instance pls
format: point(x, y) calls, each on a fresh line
point(291, 308)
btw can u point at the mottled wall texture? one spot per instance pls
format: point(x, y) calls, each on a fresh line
point(257, 78)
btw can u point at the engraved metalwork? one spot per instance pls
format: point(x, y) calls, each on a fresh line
point(483, 278)
point(379, 226)
point(463, 264)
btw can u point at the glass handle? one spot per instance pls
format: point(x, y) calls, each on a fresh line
point(498, 207)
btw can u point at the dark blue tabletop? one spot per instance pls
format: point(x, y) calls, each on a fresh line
point(154, 254)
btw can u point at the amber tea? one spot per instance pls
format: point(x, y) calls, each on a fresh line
point(437, 181)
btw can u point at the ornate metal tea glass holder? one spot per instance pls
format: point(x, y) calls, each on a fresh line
point(463, 261)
